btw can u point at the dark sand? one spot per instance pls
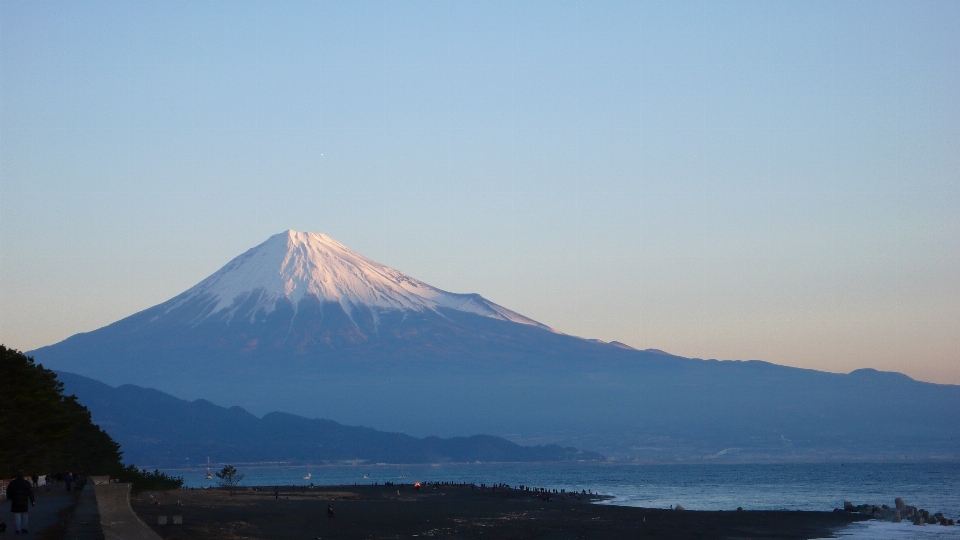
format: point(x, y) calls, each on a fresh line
point(453, 512)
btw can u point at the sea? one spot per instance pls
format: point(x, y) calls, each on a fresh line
point(934, 486)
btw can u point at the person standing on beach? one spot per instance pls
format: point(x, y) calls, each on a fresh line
point(19, 493)
point(68, 479)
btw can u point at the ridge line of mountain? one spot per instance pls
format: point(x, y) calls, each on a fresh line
point(161, 430)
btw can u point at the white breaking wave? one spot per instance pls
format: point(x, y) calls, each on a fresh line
point(293, 265)
point(884, 530)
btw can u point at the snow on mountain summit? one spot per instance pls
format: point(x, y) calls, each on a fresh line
point(294, 265)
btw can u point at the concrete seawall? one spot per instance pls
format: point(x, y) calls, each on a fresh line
point(84, 521)
point(117, 517)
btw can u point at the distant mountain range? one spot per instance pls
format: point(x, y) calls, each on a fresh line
point(304, 325)
point(158, 430)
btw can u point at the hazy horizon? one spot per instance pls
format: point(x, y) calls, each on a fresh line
point(741, 180)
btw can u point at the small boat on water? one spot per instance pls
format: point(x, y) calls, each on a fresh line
point(209, 476)
point(307, 477)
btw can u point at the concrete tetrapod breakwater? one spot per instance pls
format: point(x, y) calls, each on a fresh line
point(117, 517)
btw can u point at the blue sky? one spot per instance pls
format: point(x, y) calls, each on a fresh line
point(772, 180)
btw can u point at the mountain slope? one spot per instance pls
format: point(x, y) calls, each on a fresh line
point(292, 266)
point(157, 429)
point(303, 325)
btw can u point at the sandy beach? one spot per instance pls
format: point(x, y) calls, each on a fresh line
point(452, 511)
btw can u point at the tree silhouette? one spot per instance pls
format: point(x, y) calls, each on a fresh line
point(229, 477)
point(44, 430)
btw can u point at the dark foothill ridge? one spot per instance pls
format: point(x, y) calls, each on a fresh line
point(161, 430)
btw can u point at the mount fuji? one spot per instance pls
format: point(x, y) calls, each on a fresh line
point(302, 324)
point(294, 268)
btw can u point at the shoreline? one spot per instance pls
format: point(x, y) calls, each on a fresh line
point(461, 511)
point(706, 460)
point(754, 487)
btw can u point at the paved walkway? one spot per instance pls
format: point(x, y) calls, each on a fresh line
point(98, 512)
point(84, 523)
point(46, 512)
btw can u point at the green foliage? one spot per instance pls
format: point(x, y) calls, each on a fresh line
point(44, 430)
point(229, 478)
point(89, 448)
point(143, 480)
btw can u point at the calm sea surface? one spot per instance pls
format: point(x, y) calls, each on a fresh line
point(933, 486)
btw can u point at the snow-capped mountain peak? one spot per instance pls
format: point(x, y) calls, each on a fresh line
point(293, 265)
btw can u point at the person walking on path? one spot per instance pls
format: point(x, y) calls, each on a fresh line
point(68, 479)
point(19, 493)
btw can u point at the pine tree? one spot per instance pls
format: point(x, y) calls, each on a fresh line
point(229, 477)
point(42, 429)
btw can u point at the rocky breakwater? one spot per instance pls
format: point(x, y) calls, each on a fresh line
point(898, 513)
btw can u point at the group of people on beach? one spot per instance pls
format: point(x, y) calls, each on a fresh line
point(544, 494)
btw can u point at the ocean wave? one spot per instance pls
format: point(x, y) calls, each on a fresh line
point(885, 530)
